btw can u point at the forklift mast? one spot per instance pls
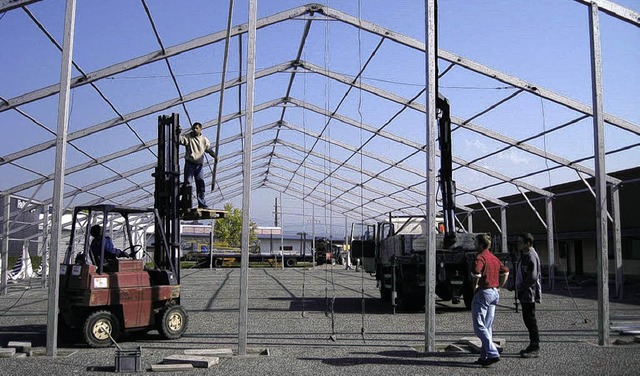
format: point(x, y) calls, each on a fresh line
point(447, 185)
point(166, 198)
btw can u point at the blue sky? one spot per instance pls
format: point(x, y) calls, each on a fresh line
point(544, 42)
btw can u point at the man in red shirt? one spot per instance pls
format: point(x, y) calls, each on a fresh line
point(488, 274)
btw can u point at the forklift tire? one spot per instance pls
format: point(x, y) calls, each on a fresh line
point(173, 323)
point(97, 328)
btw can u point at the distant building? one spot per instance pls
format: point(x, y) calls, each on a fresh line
point(574, 214)
point(270, 240)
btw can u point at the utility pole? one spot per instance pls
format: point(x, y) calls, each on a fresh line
point(275, 223)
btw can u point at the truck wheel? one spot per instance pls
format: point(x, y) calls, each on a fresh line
point(385, 294)
point(173, 323)
point(217, 262)
point(97, 328)
point(291, 262)
point(467, 296)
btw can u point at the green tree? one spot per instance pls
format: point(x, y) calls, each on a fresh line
point(228, 230)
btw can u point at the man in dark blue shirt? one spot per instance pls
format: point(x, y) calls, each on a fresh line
point(529, 291)
point(110, 252)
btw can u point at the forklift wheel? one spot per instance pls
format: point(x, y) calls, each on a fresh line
point(97, 328)
point(174, 322)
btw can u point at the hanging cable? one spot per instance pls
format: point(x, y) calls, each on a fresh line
point(324, 163)
point(304, 280)
point(93, 85)
point(166, 60)
point(329, 243)
point(555, 229)
point(304, 166)
point(221, 101)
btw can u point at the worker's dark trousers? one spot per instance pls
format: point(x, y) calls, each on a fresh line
point(194, 171)
point(529, 317)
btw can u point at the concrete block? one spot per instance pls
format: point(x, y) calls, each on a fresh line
point(637, 339)
point(20, 355)
point(7, 353)
point(171, 367)
point(20, 346)
point(195, 360)
point(454, 348)
point(257, 351)
point(500, 342)
point(209, 352)
point(473, 342)
point(623, 341)
point(476, 345)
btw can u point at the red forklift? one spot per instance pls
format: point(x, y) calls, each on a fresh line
point(102, 297)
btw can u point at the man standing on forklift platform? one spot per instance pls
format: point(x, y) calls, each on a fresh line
point(196, 145)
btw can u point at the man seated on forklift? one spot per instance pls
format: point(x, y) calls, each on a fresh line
point(110, 252)
point(196, 145)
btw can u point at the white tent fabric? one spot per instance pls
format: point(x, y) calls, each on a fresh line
point(23, 269)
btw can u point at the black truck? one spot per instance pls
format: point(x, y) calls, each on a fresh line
point(395, 249)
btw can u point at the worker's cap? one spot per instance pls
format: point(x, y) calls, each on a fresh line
point(96, 230)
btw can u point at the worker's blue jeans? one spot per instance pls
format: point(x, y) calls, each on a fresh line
point(483, 309)
point(194, 171)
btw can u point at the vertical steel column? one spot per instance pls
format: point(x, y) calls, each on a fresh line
point(246, 189)
point(346, 235)
point(470, 222)
point(503, 228)
point(601, 189)
point(431, 124)
point(550, 243)
point(4, 262)
point(58, 181)
point(173, 165)
point(211, 234)
point(281, 227)
point(313, 230)
point(45, 248)
point(617, 239)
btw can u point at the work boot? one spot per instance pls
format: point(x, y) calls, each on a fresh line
point(487, 362)
point(530, 352)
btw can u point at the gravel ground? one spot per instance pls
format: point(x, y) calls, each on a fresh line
point(291, 318)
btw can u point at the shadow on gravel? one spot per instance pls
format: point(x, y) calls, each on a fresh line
point(403, 357)
point(587, 288)
point(101, 369)
point(36, 334)
point(340, 305)
point(354, 305)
